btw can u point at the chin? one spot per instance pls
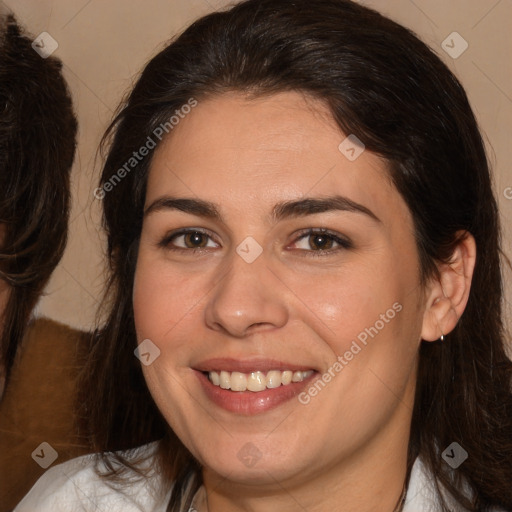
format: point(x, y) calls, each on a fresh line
point(249, 461)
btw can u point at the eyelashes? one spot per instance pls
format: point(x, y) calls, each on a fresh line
point(195, 236)
point(319, 237)
point(322, 242)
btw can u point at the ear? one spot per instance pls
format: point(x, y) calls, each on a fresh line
point(447, 295)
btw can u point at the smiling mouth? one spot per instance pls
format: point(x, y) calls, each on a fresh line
point(256, 381)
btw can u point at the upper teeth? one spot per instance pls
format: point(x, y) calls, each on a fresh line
point(256, 381)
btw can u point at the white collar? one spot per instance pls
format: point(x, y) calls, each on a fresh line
point(422, 495)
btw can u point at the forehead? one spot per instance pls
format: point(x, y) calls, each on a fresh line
point(253, 153)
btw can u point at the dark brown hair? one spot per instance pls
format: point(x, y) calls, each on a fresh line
point(37, 146)
point(383, 84)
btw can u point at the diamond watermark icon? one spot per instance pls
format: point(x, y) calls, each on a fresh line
point(147, 352)
point(454, 45)
point(249, 455)
point(45, 455)
point(352, 147)
point(454, 455)
point(44, 45)
point(249, 249)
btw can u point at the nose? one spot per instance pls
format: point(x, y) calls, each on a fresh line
point(247, 299)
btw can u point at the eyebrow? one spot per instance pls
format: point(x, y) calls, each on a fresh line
point(283, 210)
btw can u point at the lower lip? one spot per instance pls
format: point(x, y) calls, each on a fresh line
point(248, 403)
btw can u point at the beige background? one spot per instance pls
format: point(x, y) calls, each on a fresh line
point(104, 43)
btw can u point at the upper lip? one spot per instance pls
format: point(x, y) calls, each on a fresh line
point(247, 365)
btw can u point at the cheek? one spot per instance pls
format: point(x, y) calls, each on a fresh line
point(345, 302)
point(164, 301)
point(155, 305)
point(370, 317)
point(372, 327)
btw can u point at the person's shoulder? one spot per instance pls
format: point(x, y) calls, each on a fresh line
point(76, 485)
point(59, 345)
point(421, 493)
point(60, 485)
point(423, 496)
point(40, 327)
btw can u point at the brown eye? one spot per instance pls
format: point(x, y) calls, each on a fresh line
point(195, 239)
point(188, 239)
point(320, 241)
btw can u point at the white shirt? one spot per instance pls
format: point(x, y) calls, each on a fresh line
point(74, 486)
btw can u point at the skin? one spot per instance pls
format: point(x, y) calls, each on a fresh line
point(246, 156)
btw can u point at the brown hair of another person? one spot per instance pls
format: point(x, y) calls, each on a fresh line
point(37, 146)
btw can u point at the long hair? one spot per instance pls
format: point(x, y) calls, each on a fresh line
point(37, 146)
point(383, 84)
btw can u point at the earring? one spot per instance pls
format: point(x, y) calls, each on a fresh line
point(442, 337)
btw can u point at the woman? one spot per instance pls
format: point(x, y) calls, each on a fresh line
point(304, 245)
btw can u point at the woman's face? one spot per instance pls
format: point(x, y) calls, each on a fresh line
point(234, 276)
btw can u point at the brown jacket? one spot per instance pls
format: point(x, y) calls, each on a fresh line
point(38, 407)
